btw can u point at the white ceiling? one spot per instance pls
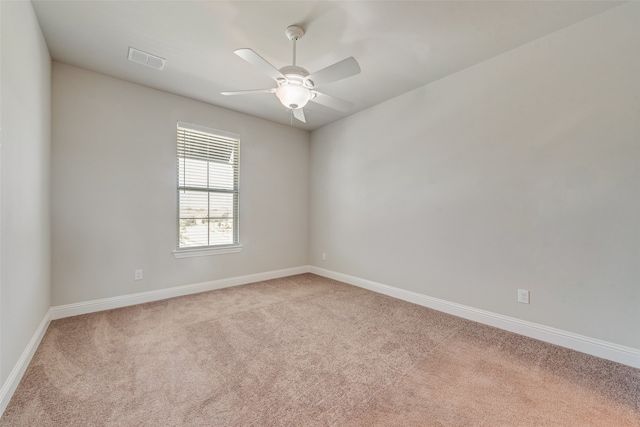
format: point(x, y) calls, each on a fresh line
point(400, 45)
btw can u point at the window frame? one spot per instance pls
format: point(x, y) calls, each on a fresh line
point(216, 249)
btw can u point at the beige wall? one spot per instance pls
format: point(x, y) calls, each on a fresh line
point(25, 115)
point(520, 172)
point(114, 189)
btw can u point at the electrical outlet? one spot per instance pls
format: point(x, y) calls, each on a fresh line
point(523, 296)
point(137, 275)
point(324, 256)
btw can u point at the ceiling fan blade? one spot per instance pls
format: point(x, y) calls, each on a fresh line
point(258, 61)
point(331, 102)
point(338, 71)
point(299, 114)
point(245, 92)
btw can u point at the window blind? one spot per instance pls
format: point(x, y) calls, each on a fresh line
point(208, 175)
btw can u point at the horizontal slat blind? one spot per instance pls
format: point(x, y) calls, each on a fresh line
point(208, 175)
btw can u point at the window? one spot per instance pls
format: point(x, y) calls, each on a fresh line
point(207, 190)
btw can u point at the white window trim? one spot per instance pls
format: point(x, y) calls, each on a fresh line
point(209, 250)
point(188, 253)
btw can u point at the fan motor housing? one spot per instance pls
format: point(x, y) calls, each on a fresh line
point(295, 75)
point(294, 70)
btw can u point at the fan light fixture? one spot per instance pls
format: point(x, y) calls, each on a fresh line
point(296, 87)
point(293, 95)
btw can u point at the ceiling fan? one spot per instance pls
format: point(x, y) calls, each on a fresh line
point(295, 86)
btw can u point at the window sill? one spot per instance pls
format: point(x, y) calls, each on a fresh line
point(187, 253)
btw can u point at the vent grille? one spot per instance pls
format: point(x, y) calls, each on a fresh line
point(144, 58)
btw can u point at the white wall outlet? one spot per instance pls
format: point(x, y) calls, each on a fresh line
point(137, 275)
point(523, 296)
point(324, 256)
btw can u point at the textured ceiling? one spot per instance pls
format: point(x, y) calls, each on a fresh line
point(399, 45)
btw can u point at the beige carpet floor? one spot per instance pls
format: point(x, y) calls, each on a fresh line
point(309, 351)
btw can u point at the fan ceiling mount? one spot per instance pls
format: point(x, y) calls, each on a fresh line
point(295, 85)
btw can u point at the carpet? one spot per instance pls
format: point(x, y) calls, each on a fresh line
point(309, 351)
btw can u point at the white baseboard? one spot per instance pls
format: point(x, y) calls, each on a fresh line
point(68, 310)
point(603, 349)
point(11, 384)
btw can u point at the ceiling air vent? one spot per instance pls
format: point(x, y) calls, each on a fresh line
point(145, 58)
